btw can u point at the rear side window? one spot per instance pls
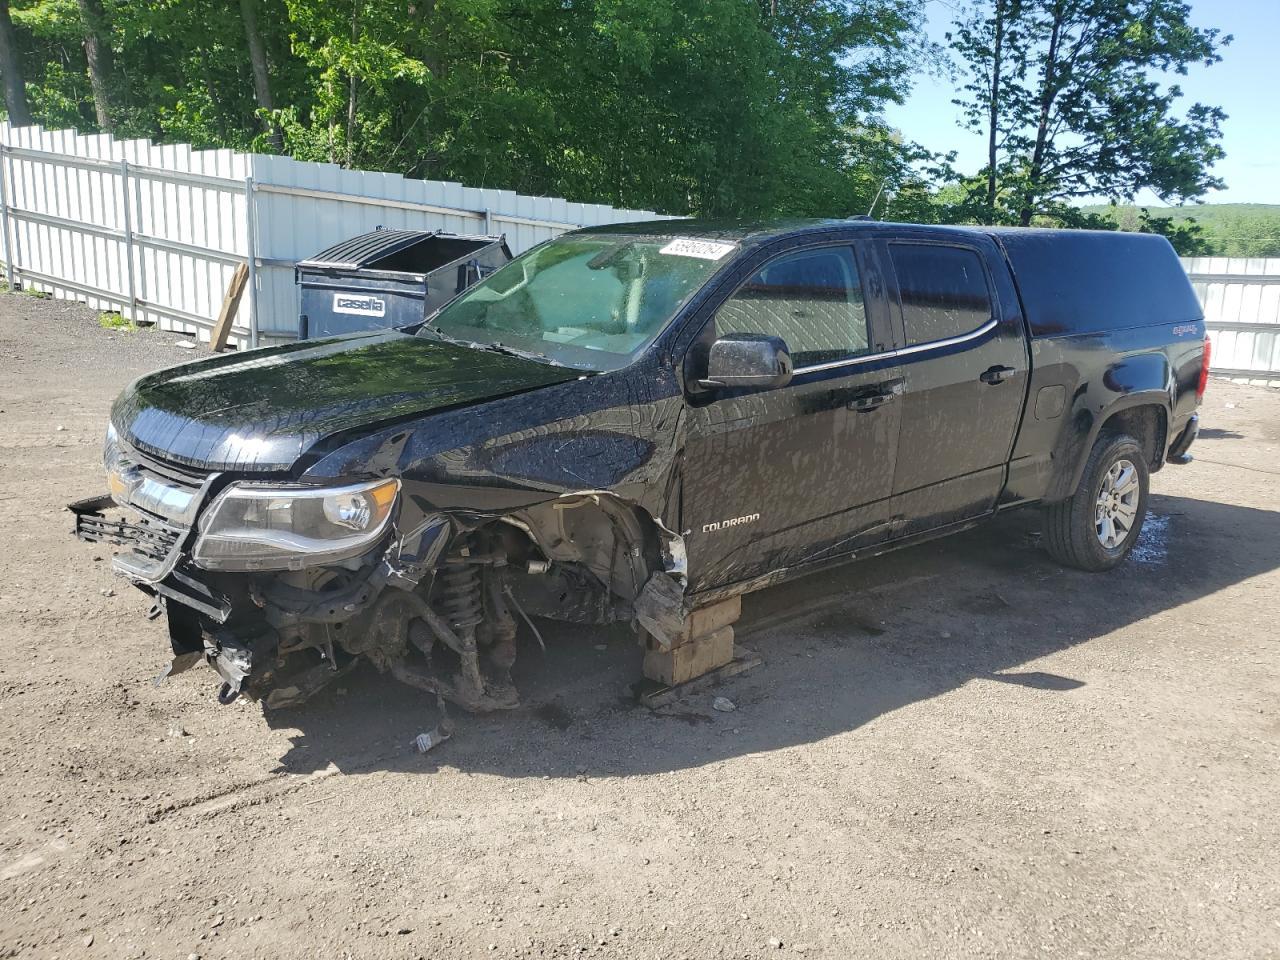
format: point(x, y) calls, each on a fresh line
point(811, 299)
point(943, 290)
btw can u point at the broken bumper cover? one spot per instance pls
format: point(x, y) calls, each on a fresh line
point(152, 545)
point(245, 626)
point(430, 602)
point(152, 555)
point(150, 560)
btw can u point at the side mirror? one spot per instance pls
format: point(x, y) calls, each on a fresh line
point(754, 360)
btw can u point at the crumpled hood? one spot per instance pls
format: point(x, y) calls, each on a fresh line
point(261, 411)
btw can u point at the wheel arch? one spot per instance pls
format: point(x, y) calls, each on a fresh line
point(613, 543)
point(1144, 415)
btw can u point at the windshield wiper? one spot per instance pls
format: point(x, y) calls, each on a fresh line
point(494, 347)
point(439, 334)
point(498, 347)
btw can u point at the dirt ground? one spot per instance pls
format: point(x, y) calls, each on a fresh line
point(960, 750)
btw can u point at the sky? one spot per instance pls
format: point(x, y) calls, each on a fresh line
point(1246, 84)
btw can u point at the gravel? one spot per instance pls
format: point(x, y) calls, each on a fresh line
point(957, 750)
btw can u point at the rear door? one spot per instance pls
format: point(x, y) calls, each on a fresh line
point(964, 367)
point(780, 477)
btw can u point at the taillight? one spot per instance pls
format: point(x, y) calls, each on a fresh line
point(1204, 369)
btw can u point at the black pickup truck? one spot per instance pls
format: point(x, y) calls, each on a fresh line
point(641, 423)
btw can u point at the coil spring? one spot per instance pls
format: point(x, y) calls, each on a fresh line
point(460, 594)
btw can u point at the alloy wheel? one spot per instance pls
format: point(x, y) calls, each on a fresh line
point(1116, 509)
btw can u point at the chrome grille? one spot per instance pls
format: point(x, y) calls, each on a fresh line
point(154, 489)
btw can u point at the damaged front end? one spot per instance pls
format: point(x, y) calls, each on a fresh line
point(282, 587)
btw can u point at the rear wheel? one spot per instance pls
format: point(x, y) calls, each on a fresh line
point(1098, 525)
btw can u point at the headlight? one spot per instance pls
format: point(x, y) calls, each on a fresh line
point(258, 527)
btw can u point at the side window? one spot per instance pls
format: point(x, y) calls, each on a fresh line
point(943, 290)
point(811, 299)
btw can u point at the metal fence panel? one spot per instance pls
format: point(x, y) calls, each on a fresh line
point(1241, 300)
point(153, 232)
point(156, 231)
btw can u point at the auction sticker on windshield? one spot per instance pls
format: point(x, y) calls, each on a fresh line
point(702, 249)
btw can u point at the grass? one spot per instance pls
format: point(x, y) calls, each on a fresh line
point(27, 291)
point(109, 320)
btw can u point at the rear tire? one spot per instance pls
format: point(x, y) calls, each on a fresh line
point(1096, 527)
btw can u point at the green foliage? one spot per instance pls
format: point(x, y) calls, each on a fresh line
point(720, 107)
point(109, 320)
point(1073, 95)
point(1187, 236)
point(742, 108)
point(1212, 229)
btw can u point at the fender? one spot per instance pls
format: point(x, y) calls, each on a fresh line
point(1138, 380)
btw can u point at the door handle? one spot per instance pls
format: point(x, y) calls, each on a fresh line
point(996, 374)
point(875, 397)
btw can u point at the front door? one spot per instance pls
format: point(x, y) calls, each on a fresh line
point(782, 477)
point(964, 364)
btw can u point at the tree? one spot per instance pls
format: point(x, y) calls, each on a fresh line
point(1002, 13)
point(1214, 230)
point(724, 107)
point(1186, 236)
point(98, 55)
point(15, 86)
point(983, 41)
point(258, 62)
point(1069, 95)
point(730, 107)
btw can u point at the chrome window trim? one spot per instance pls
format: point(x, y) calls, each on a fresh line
point(903, 352)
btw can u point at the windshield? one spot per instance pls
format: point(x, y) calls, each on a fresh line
point(584, 300)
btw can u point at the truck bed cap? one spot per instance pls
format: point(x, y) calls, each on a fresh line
point(1089, 281)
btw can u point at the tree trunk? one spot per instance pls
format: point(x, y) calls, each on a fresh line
point(15, 86)
point(431, 55)
point(1047, 96)
point(258, 60)
point(997, 52)
point(97, 52)
point(351, 120)
point(352, 85)
point(215, 97)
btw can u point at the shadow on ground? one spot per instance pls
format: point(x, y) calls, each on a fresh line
point(1217, 433)
point(840, 649)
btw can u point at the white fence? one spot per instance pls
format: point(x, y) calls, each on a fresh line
point(156, 231)
point(1241, 300)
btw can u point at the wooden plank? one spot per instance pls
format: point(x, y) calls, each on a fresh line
point(689, 660)
point(230, 304)
point(653, 694)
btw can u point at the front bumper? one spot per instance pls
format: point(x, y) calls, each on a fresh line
point(152, 545)
point(245, 626)
point(151, 559)
point(152, 554)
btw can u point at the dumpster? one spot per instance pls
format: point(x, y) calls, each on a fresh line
point(390, 278)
